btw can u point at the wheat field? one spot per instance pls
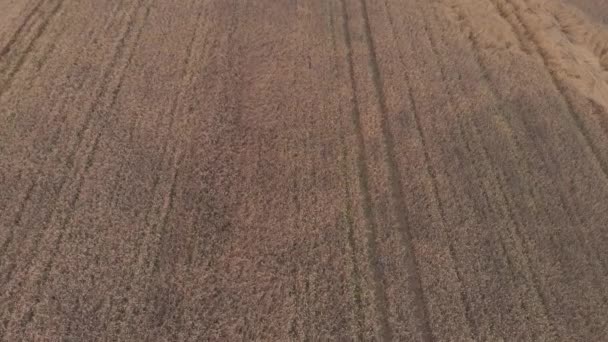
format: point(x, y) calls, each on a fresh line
point(412, 170)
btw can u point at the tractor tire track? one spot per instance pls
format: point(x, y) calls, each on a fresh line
point(303, 170)
point(499, 181)
point(431, 173)
point(359, 314)
point(518, 22)
point(547, 161)
point(379, 291)
point(16, 35)
point(60, 104)
point(396, 185)
point(80, 178)
point(148, 260)
point(571, 209)
point(23, 56)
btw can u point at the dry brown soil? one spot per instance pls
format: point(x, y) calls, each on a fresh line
point(303, 170)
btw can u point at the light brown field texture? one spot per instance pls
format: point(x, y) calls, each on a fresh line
point(410, 170)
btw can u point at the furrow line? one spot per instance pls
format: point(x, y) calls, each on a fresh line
point(356, 277)
point(297, 331)
point(396, 184)
point(516, 25)
point(293, 329)
point(516, 222)
point(57, 104)
point(359, 313)
point(79, 181)
point(88, 158)
point(379, 290)
point(39, 284)
point(17, 220)
point(485, 77)
point(46, 55)
point(164, 218)
point(186, 78)
point(571, 208)
point(156, 179)
point(297, 293)
point(26, 198)
point(578, 121)
point(518, 145)
point(143, 253)
point(431, 172)
point(62, 103)
point(544, 155)
point(106, 78)
point(20, 29)
point(175, 102)
point(23, 56)
point(601, 114)
point(498, 179)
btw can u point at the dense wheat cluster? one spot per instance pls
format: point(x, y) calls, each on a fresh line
point(409, 170)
